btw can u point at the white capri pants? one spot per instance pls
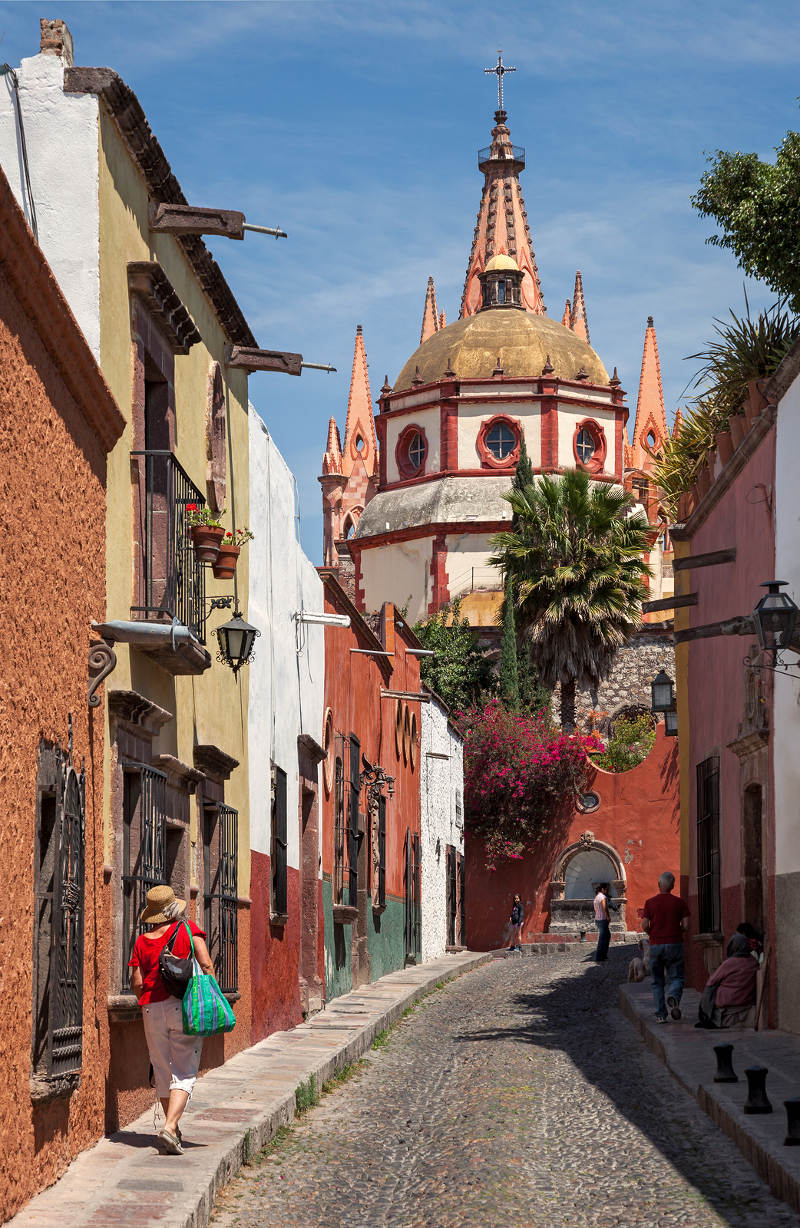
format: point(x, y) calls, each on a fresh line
point(175, 1056)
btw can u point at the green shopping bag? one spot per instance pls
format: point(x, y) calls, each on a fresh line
point(206, 1010)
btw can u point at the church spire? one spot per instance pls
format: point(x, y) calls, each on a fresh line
point(360, 442)
point(578, 321)
point(566, 318)
point(650, 430)
point(430, 315)
point(332, 460)
point(502, 225)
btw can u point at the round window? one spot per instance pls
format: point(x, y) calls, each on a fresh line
point(585, 445)
point(501, 440)
point(416, 450)
point(587, 802)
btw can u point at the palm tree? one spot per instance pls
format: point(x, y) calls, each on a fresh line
point(574, 559)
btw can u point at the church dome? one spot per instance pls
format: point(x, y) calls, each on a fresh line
point(470, 347)
point(501, 261)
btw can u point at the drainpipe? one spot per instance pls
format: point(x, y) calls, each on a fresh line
point(145, 633)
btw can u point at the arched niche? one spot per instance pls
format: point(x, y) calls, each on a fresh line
point(580, 867)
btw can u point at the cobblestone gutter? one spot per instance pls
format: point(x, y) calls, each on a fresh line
point(236, 1110)
point(688, 1054)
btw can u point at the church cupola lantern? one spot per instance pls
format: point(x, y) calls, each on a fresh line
point(501, 283)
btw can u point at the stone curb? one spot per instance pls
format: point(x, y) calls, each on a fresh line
point(688, 1056)
point(237, 1110)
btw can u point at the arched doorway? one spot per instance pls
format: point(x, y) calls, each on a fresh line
point(580, 868)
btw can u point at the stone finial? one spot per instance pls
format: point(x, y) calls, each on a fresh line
point(650, 323)
point(548, 367)
point(498, 370)
point(55, 39)
point(450, 373)
point(615, 381)
point(582, 374)
point(417, 380)
point(387, 387)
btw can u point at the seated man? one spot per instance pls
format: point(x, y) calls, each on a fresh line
point(730, 992)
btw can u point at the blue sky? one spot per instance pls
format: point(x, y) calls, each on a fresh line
point(355, 127)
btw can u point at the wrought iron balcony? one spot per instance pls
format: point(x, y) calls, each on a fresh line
point(171, 580)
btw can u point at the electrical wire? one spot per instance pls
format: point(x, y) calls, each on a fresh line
point(7, 71)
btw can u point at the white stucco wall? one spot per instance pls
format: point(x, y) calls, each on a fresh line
point(399, 572)
point(468, 565)
point(568, 418)
point(61, 136)
point(472, 416)
point(287, 676)
point(441, 784)
point(428, 420)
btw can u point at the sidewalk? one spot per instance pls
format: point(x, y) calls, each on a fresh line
point(688, 1053)
point(237, 1108)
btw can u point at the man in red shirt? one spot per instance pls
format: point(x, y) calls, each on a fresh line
point(665, 917)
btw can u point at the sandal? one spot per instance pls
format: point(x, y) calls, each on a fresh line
point(169, 1142)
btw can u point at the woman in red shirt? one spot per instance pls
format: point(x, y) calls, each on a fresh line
point(175, 1056)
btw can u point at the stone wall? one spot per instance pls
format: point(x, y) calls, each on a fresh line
point(628, 684)
point(442, 787)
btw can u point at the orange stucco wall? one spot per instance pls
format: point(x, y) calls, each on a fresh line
point(638, 816)
point(52, 577)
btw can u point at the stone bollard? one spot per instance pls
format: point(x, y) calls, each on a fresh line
point(792, 1123)
point(757, 1101)
point(725, 1072)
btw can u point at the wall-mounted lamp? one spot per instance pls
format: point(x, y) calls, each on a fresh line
point(236, 641)
point(775, 617)
point(671, 722)
point(661, 691)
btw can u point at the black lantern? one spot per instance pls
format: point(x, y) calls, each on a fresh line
point(661, 688)
point(775, 617)
point(671, 723)
point(236, 640)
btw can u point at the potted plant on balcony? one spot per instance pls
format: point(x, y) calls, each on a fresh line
point(224, 565)
point(205, 530)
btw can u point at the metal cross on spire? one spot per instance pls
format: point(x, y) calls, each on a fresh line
point(500, 70)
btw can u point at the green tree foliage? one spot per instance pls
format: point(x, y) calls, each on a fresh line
point(757, 206)
point(509, 671)
point(631, 741)
point(744, 349)
point(458, 672)
point(534, 696)
point(574, 554)
point(523, 475)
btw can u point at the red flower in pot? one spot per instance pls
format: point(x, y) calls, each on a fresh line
point(206, 531)
point(224, 565)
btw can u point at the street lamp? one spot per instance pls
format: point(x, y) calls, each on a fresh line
point(671, 723)
point(661, 690)
point(236, 640)
point(775, 617)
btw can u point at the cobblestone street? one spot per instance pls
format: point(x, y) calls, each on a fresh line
point(516, 1094)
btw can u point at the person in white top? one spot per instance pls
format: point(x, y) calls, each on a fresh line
point(603, 923)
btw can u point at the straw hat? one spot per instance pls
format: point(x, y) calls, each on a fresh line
point(161, 906)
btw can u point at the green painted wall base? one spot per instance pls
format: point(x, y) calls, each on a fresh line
point(385, 943)
point(338, 958)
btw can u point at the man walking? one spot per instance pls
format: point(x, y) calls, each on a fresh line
point(603, 923)
point(665, 917)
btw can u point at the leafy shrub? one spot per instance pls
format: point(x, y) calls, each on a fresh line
point(631, 741)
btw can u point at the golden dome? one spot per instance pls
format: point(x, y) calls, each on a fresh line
point(523, 341)
point(501, 261)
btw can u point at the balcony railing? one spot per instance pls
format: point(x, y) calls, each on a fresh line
point(517, 155)
point(172, 583)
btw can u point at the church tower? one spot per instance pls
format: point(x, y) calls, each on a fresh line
point(349, 471)
point(502, 225)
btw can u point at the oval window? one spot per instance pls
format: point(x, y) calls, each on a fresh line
point(501, 440)
point(585, 445)
point(416, 450)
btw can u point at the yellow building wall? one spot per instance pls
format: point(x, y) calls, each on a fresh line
point(210, 708)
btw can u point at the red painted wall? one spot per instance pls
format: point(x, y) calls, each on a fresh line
point(717, 676)
point(638, 816)
point(274, 952)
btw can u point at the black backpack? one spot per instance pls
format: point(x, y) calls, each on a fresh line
point(175, 972)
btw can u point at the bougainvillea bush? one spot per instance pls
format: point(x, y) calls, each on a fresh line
point(519, 774)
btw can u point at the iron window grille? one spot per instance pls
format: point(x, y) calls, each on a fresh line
point(585, 445)
point(220, 893)
point(708, 851)
point(173, 578)
point(338, 824)
point(57, 1047)
point(413, 919)
point(352, 827)
point(501, 440)
point(381, 900)
point(279, 843)
point(144, 842)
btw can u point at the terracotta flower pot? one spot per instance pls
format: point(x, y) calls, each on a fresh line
point(206, 539)
point(756, 401)
point(724, 447)
point(224, 565)
point(737, 425)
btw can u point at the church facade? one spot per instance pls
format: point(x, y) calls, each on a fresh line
point(413, 497)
